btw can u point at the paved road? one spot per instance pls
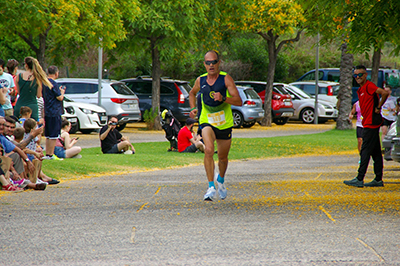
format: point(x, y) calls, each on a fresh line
point(285, 211)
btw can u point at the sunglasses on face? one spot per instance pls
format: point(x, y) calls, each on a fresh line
point(359, 75)
point(211, 62)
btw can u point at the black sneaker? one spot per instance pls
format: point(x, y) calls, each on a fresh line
point(374, 183)
point(354, 182)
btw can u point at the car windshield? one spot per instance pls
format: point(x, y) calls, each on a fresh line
point(251, 94)
point(121, 88)
point(299, 92)
point(185, 88)
point(336, 89)
point(280, 89)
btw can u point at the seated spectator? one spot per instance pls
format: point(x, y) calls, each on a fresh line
point(25, 113)
point(65, 145)
point(5, 164)
point(112, 141)
point(35, 154)
point(186, 141)
point(20, 156)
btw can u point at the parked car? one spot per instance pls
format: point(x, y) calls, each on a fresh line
point(328, 90)
point(391, 144)
point(174, 95)
point(71, 117)
point(385, 77)
point(304, 106)
point(250, 112)
point(90, 116)
point(116, 98)
point(281, 103)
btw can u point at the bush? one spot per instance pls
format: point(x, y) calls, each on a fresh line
point(149, 118)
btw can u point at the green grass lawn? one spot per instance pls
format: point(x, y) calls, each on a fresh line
point(154, 155)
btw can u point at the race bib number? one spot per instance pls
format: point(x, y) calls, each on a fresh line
point(216, 119)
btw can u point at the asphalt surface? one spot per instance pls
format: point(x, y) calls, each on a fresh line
point(285, 211)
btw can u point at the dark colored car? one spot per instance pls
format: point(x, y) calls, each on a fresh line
point(385, 77)
point(174, 95)
point(281, 103)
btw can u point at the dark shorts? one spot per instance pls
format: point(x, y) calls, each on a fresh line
point(52, 127)
point(359, 132)
point(387, 122)
point(219, 134)
point(191, 148)
point(59, 152)
point(114, 149)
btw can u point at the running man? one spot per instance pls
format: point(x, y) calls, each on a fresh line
point(218, 92)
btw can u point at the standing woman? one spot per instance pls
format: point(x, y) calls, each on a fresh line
point(29, 86)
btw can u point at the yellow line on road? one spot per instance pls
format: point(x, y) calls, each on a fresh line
point(141, 207)
point(318, 176)
point(371, 248)
point(158, 190)
point(327, 214)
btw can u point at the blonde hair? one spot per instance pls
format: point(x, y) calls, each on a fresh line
point(37, 70)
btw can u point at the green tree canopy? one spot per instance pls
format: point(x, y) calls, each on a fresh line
point(65, 20)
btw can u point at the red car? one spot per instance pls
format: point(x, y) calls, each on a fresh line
point(281, 103)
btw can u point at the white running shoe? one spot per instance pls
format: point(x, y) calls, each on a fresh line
point(210, 194)
point(222, 191)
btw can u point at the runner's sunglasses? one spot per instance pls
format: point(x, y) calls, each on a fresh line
point(211, 62)
point(359, 75)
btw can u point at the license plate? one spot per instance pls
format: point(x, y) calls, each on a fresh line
point(131, 106)
point(287, 104)
point(103, 118)
point(286, 114)
point(261, 114)
point(73, 120)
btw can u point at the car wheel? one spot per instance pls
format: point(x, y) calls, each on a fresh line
point(307, 115)
point(121, 127)
point(86, 131)
point(74, 129)
point(237, 119)
point(280, 121)
point(249, 124)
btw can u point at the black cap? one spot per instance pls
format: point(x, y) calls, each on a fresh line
point(190, 121)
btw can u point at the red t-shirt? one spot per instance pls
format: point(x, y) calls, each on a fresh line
point(184, 137)
point(367, 95)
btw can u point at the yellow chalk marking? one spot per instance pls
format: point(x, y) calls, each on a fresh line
point(158, 190)
point(371, 248)
point(327, 214)
point(318, 176)
point(141, 207)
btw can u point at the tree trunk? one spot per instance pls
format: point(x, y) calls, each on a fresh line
point(376, 61)
point(345, 91)
point(156, 77)
point(272, 56)
point(40, 53)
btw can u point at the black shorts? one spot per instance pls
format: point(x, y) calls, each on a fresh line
point(52, 127)
point(219, 134)
point(387, 122)
point(359, 132)
point(191, 148)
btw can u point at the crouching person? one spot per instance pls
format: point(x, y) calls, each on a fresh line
point(186, 141)
point(112, 141)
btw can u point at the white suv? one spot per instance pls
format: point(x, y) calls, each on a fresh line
point(116, 98)
point(328, 90)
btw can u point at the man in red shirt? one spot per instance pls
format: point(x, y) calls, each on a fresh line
point(186, 142)
point(370, 106)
